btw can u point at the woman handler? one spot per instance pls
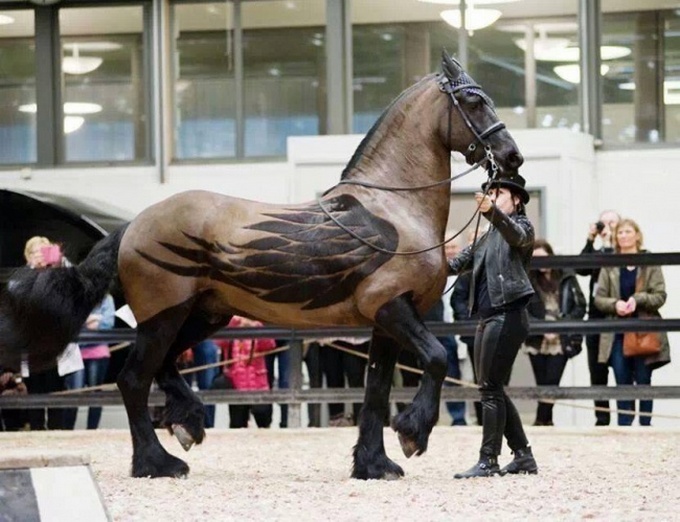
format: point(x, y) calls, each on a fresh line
point(500, 291)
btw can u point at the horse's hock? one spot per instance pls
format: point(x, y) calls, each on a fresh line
point(49, 485)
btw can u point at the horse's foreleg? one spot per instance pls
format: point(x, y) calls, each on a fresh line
point(149, 458)
point(401, 320)
point(370, 459)
point(184, 411)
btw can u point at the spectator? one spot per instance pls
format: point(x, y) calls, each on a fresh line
point(282, 374)
point(11, 383)
point(631, 292)
point(204, 353)
point(95, 361)
point(558, 296)
point(501, 291)
point(599, 372)
point(338, 365)
point(41, 253)
point(455, 408)
point(247, 372)
point(460, 301)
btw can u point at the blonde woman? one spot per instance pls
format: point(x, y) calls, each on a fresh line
point(625, 292)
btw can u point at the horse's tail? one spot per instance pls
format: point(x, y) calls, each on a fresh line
point(43, 310)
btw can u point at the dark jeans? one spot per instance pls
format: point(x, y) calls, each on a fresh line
point(45, 382)
point(599, 375)
point(206, 352)
point(497, 342)
point(455, 408)
point(240, 413)
point(630, 370)
point(337, 365)
point(548, 370)
point(95, 373)
point(312, 358)
point(283, 383)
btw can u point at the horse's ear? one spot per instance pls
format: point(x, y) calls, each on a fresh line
point(451, 67)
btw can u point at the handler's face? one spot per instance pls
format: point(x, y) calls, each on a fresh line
point(503, 199)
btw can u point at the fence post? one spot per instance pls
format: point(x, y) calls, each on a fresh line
point(295, 409)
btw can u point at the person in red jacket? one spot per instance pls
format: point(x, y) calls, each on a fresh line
point(247, 372)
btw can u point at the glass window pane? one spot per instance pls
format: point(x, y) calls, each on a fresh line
point(104, 82)
point(388, 58)
point(671, 83)
point(18, 135)
point(284, 61)
point(633, 92)
point(205, 89)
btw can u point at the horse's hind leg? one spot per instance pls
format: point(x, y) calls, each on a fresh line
point(154, 336)
point(400, 319)
point(370, 459)
point(184, 411)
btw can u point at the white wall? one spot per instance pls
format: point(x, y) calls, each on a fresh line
point(575, 181)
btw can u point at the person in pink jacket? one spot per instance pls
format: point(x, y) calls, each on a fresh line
point(247, 372)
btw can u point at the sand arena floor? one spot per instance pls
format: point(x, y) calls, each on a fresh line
point(301, 475)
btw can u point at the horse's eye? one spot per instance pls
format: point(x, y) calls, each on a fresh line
point(472, 101)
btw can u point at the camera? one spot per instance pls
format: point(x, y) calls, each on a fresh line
point(51, 254)
point(599, 226)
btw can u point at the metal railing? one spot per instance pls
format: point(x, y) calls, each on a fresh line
point(295, 396)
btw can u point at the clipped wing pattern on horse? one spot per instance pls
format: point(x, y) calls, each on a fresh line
point(303, 256)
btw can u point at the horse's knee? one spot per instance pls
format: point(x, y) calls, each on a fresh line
point(436, 360)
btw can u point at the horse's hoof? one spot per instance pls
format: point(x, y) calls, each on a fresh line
point(408, 446)
point(186, 440)
point(392, 475)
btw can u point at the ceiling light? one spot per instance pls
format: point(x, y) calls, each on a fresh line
point(93, 47)
point(573, 54)
point(6, 20)
point(544, 46)
point(671, 91)
point(572, 72)
point(474, 18)
point(77, 64)
point(70, 108)
point(72, 123)
point(469, 2)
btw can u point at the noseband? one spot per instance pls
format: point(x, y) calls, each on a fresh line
point(464, 83)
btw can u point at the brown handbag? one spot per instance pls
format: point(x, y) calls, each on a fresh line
point(641, 343)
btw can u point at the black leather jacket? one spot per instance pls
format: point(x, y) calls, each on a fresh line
point(506, 251)
point(572, 304)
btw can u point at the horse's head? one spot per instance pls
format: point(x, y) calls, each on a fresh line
point(471, 125)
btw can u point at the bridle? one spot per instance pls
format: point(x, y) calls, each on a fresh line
point(463, 82)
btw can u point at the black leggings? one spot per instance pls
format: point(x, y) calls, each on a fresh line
point(497, 342)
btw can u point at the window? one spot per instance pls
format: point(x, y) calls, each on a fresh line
point(104, 82)
point(18, 142)
point(242, 96)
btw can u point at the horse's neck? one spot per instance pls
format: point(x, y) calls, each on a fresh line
point(401, 154)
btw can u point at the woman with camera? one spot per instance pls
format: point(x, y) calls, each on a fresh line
point(558, 296)
point(632, 291)
point(41, 253)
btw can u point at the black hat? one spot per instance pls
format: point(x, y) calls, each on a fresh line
point(514, 183)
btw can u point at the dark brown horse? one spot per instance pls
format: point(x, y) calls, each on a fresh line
point(187, 264)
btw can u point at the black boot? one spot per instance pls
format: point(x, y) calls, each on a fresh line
point(523, 463)
point(486, 467)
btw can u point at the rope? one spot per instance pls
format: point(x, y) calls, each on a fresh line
point(468, 384)
point(451, 380)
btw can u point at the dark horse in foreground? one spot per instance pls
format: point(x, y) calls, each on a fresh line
point(187, 264)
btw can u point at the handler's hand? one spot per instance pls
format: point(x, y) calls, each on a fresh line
point(484, 202)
